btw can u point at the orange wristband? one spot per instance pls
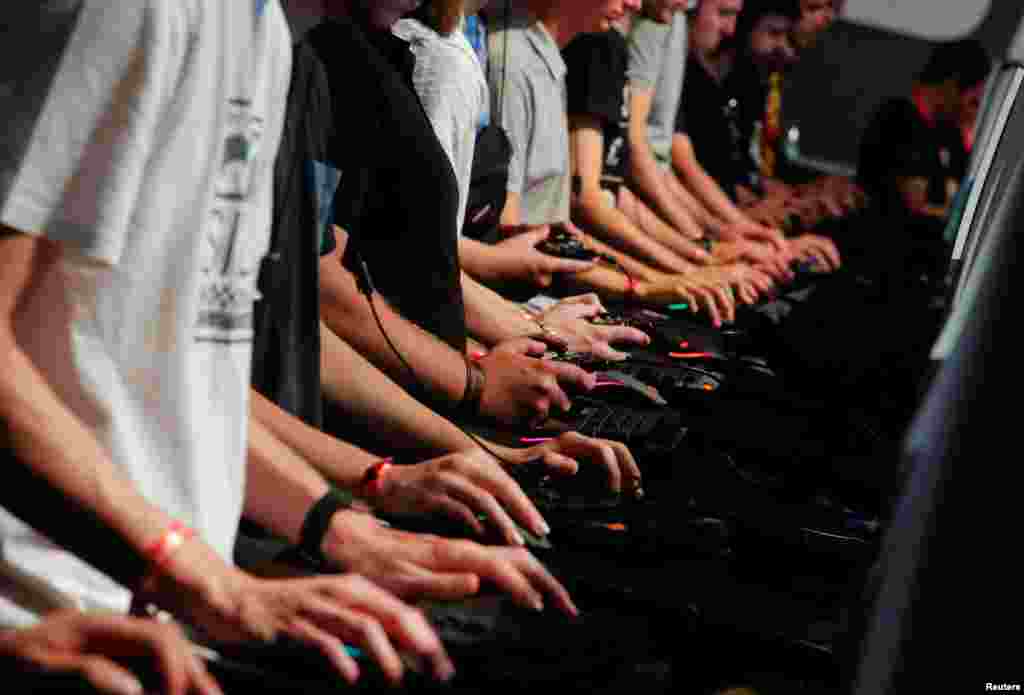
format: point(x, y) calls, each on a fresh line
point(372, 483)
point(169, 541)
point(630, 287)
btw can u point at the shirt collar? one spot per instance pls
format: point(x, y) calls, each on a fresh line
point(546, 47)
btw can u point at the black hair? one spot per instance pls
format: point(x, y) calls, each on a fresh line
point(965, 61)
point(754, 10)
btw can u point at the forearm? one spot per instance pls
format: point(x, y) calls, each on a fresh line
point(64, 456)
point(280, 487)
point(705, 188)
point(371, 398)
point(606, 282)
point(635, 268)
point(614, 227)
point(440, 370)
point(341, 462)
point(490, 317)
point(477, 259)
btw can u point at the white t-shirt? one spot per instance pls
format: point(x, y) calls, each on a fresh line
point(450, 83)
point(152, 162)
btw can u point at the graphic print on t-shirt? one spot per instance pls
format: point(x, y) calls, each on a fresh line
point(229, 268)
point(614, 160)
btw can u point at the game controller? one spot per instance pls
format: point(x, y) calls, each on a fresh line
point(565, 245)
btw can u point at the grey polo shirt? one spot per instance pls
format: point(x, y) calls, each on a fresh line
point(533, 114)
point(657, 60)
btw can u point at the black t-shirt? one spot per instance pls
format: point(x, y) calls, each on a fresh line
point(711, 114)
point(286, 349)
point(597, 85)
point(900, 143)
point(398, 197)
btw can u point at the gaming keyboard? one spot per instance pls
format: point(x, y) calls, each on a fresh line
point(652, 432)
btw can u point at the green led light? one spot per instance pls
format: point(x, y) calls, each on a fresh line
point(678, 307)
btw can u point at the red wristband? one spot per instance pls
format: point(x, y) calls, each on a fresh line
point(169, 541)
point(630, 287)
point(372, 483)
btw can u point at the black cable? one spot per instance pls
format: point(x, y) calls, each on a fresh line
point(365, 281)
point(366, 286)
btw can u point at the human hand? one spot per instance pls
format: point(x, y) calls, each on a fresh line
point(759, 255)
point(564, 454)
point(699, 292)
point(229, 605)
point(414, 565)
point(568, 319)
point(462, 486)
point(754, 232)
point(521, 387)
point(820, 249)
point(517, 258)
point(92, 645)
point(748, 282)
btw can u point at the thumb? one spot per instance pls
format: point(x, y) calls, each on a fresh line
point(560, 464)
point(535, 235)
point(522, 346)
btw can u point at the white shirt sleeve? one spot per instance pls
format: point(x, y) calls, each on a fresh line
point(79, 178)
point(451, 86)
point(517, 119)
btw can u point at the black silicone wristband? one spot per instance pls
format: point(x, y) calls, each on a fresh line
point(317, 521)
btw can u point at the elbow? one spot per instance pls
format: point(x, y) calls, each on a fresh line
point(341, 302)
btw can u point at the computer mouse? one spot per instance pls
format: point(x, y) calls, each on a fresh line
point(672, 378)
point(615, 386)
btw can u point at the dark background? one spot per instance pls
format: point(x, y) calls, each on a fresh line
point(840, 82)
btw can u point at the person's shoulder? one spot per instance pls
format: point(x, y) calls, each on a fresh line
point(413, 31)
point(646, 31)
point(337, 36)
point(601, 46)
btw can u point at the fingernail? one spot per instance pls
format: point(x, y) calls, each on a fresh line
point(446, 671)
point(125, 684)
point(537, 603)
point(544, 528)
point(518, 538)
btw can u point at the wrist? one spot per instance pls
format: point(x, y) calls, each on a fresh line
point(641, 289)
point(192, 582)
point(376, 479)
point(476, 382)
point(318, 522)
point(346, 535)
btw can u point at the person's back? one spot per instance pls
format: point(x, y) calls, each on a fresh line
point(150, 165)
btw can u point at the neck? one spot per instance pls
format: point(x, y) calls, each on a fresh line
point(548, 14)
